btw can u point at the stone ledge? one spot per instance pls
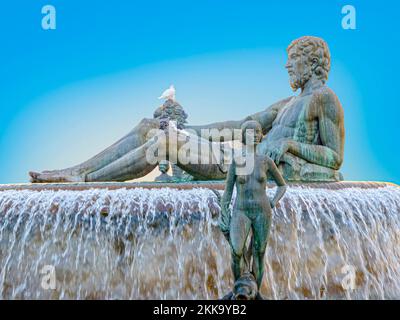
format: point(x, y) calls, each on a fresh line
point(218, 185)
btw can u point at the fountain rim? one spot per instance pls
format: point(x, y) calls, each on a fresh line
point(217, 185)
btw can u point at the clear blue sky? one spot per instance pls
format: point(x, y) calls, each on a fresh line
point(68, 93)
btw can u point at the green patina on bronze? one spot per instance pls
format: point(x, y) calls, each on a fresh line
point(164, 176)
point(303, 134)
point(172, 110)
point(178, 175)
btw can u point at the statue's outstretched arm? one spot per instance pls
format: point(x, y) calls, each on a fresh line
point(331, 128)
point(232, 124)
point(268, 116)
point(265, 118)
point(225, 217)
point(276, 175)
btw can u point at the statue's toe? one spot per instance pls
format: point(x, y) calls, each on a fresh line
point(33, 174)
point(228, 296)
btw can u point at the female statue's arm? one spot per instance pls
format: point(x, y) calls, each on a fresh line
point(280, 191)
point(225, 218)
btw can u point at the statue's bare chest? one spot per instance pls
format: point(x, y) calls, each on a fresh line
point(258, 175)
point(296, 121)
point(296, 110)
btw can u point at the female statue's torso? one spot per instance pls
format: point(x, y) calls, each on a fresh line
point(251, 197)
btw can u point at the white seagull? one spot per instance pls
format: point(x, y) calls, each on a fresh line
point(168, 94)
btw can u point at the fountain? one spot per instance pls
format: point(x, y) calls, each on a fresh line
point(81, 233)
point(164, 243)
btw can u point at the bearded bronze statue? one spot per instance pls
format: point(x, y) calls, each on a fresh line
point(302, 134)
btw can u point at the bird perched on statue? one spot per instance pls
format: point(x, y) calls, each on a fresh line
point(170, 110)
point(168, 94)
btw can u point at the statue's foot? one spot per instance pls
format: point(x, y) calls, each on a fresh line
point(54, 176)
point(259, 296)
point(232, 296)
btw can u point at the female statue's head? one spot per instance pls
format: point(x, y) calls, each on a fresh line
point(251, 132)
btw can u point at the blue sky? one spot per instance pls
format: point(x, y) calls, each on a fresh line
point(68, 93)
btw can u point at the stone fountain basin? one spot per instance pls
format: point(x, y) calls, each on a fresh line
point(321, 234)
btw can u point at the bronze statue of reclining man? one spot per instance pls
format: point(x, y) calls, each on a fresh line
point(303, 134)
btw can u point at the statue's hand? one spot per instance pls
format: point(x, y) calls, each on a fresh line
point(272, 203)
point(277, 151)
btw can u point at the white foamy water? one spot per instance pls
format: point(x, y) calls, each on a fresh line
point(164, 244)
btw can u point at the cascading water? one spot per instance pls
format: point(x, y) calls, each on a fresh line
point(164, 244)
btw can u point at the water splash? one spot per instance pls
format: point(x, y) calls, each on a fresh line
point(164, 244)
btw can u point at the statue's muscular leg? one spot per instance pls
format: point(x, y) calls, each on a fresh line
point(135, 163)
point(208, 160)
point(239, 231)
point(126, 159)
point(132, 165)
point(295, 168)
point(260, 227)
point(131, 141)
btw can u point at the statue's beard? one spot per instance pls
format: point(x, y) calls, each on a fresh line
point(298, 81)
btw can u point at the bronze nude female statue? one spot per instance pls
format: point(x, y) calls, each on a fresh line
point(252, 208)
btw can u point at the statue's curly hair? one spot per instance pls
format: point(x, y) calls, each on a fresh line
point(317, 51)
